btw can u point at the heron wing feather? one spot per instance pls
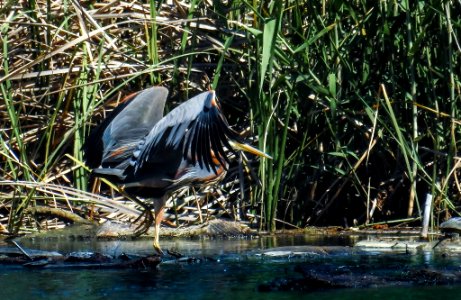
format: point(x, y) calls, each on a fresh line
point(195, 128)
point(119, 134)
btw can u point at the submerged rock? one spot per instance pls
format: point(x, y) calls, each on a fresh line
point(315, 277)
point(78, 260)
point(303, 251)
point(397, 245)
point(451, 227)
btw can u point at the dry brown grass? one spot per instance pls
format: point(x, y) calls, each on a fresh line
point(65, 64)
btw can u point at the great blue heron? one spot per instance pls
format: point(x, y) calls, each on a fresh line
point(152, 155)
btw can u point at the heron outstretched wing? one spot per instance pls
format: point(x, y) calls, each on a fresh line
point(196, 128)
point(119, 134)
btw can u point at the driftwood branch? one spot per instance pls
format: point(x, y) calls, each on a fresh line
point(58, 213)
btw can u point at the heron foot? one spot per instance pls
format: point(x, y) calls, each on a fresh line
point(158, 249)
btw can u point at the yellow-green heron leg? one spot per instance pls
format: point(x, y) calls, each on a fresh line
point(159, 205)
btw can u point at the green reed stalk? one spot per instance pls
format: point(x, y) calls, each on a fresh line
point(454, 83)
point(410, 26)
point(152, 38)
point(269, 100)
point(184, 40)
point(218, 70)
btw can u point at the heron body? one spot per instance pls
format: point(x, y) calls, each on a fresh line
point(152, 155)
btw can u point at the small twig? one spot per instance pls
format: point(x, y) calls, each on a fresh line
point(22, 250)
point(277, 220)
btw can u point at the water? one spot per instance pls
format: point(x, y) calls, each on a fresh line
point(236, 274)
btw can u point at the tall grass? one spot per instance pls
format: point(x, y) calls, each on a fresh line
point(323, 67)
point(356, 101)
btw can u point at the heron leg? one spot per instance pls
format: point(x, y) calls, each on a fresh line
point(159, 206)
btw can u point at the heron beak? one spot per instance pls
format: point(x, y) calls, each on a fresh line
point(248, 148)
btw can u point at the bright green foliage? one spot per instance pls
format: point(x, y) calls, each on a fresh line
point(321, 71)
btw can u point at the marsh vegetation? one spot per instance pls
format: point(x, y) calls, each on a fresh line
point(357, 102)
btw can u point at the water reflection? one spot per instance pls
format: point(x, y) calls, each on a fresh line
point(189, 246)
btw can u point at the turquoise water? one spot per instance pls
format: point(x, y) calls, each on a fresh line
point(236, 273)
